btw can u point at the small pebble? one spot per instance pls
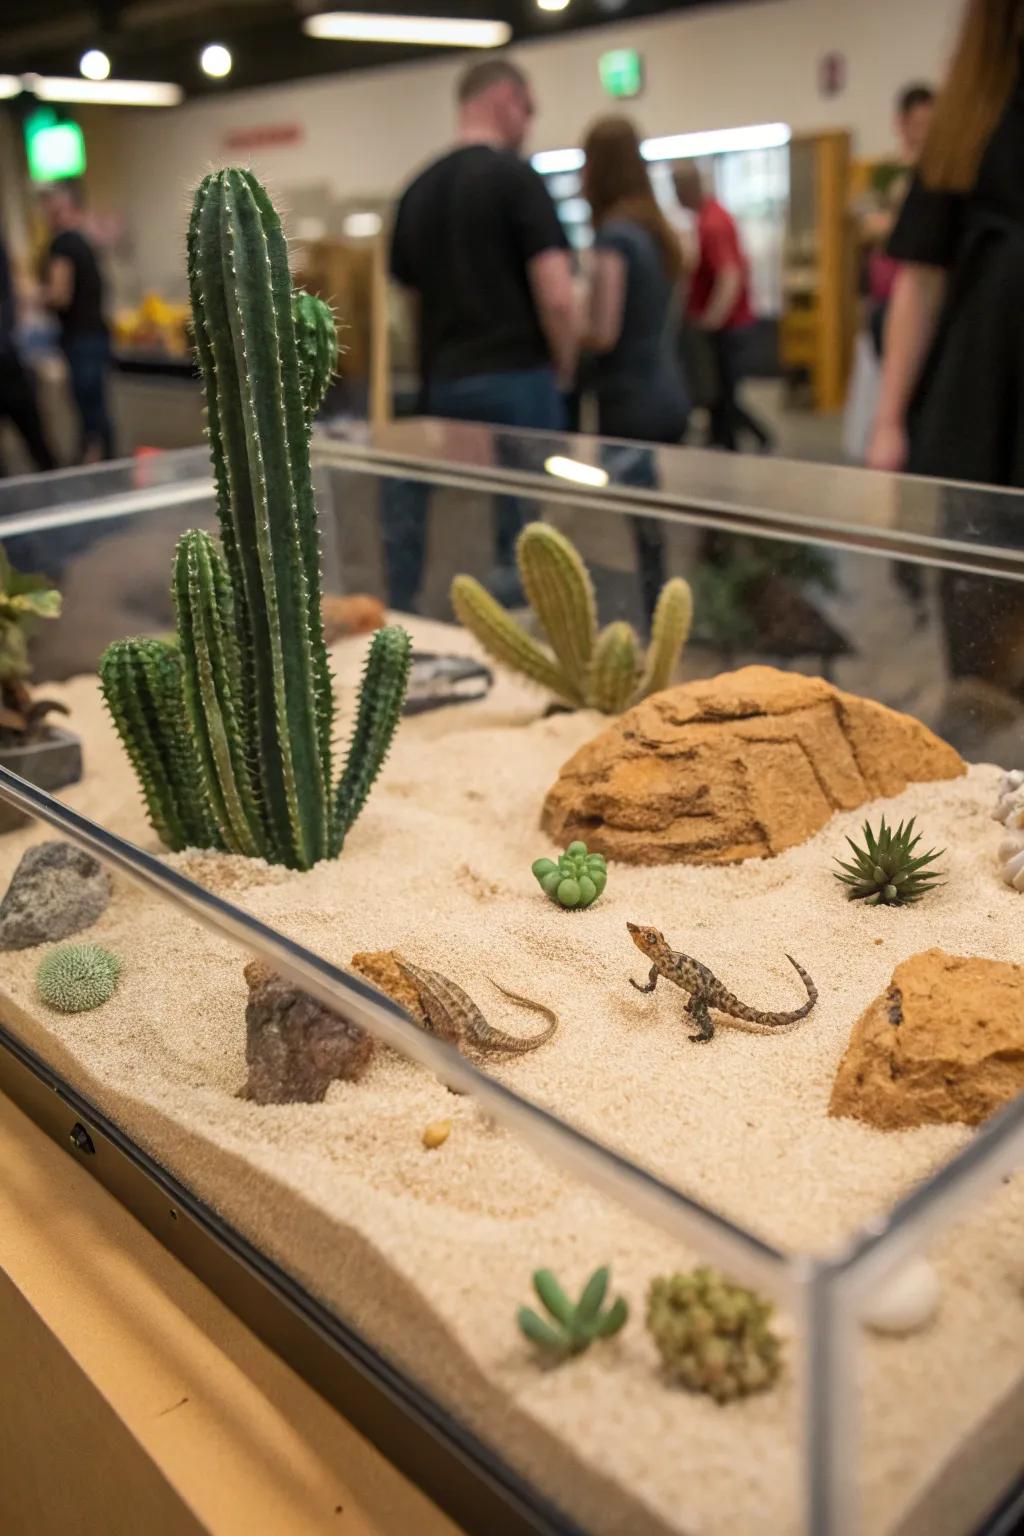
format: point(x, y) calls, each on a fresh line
point(436, 1133)
point(905, 1301)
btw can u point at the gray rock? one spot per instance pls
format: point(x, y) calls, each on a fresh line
point(57, 890)
point(294, 1045)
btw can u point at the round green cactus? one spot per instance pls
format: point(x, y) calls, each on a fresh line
point(74, 978)
point(576, 880)
point(713, 1336)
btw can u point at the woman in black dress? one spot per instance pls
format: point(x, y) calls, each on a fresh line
point(951, 402)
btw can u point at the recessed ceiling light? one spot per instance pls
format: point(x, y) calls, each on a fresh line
point(552, 5)
point(94, 64)
point(10, 85)
point(576, 471)
point(216, 60)
point(550, 161)
point(437, 31)
point(111, 93)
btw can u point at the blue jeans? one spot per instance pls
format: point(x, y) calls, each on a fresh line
point(89, 369)
point(527, 398)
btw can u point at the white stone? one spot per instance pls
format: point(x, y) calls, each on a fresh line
point(904, 1301)
point(1011, 860)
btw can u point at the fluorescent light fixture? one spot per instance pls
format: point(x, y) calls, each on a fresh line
point(215, 60)
point(552, 5)
point(362, 226)
point(10, 85)
point(549, 161)
point(112, 93)
point(574, 470)
point(439, 31)
point(94, 64)
point(717, 141)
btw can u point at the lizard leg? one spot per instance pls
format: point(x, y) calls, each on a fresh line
point(697, 1009)
point(652, 981)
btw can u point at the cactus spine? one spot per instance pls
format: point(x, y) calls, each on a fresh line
point(600, 671)
point(256, 686)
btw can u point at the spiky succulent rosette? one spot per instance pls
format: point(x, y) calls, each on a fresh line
point(886, 871)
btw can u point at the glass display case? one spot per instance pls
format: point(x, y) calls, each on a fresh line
point(855, 1361)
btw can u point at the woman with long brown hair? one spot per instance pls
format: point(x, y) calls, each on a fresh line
point(952, 395)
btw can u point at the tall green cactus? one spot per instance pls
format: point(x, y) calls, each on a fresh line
point(252, 716)
point(600, 670)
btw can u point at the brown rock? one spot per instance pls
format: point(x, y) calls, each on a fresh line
point(356, 614)
point(380, 968)
point(294, 1045)
point(945, 1042)
point(735, 767)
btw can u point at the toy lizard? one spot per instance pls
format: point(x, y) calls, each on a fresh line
point(453, 1016)
point(705, 989)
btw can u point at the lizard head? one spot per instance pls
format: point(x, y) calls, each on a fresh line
point(645, 939)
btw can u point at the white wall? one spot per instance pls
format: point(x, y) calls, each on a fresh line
point(709, 68)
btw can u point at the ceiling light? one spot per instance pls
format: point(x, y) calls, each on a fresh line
point(552, 5)
point(550, 161)
point(439, 31)
point(112, 93)
point(718, 141)
point(362, 226)
point(94, 64)
point(574, 470)
point(10, 85)
point(215, 60)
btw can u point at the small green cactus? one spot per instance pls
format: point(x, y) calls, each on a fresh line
point(885, 872)
point(576, 1324)
point(576, 881)
point(713, 1336)
point(605, 670)
point(74, 978)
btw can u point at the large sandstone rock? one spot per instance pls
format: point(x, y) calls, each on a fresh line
point(944, 1042)
point(294, 1046)
point(735, 767)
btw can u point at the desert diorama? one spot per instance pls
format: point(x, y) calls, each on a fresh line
point(758, 934)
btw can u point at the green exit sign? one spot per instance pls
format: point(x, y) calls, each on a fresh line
point(622, 72)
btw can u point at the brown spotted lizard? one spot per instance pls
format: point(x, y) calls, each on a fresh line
point(453, 1016)
point(705, 989)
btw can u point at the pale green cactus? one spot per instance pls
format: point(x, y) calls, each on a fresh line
point(713, 1336)
point(248, 706)
point(574, 1325)
point(585, 668)
point(75, 978)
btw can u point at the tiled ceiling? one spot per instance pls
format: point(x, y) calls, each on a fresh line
point(161, 39)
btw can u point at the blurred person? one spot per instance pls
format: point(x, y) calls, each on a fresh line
point(951, 402)
point(719, 304)
point(18, 402)
point(915, 108)
point(73, 289)
point(633, 317)
point(479, 246)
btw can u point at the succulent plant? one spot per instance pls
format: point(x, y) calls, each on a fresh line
point(574, 1325)
point(230, 732)
point(74, 978)
point(576, 880)
point(24, 600)
point(885, 872)
point(713, 1336)
point(605, 671)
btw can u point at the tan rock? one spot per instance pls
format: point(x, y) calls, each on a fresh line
point(735, 767)
point(945, 1042)
point(355, 614)
point(380, 969)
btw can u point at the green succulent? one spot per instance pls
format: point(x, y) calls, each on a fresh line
point(885, 872)
point(23, 601)
point(577, 879)
point(713, 1336)
point(74, 978)
point(575, 1325)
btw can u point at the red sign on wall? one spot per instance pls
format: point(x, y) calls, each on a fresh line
point(264, 136)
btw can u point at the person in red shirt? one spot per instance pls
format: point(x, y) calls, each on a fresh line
point(719, 305)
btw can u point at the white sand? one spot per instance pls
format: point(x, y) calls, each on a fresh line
point(430, 1252)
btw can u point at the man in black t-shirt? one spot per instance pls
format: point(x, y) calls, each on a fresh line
point(74, 291)
point(479, 246)
point(17, 390)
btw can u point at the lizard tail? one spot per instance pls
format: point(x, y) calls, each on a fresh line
point(812, 994)
point(499, 1040)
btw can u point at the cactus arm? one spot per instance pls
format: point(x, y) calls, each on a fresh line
point(670, 629)
point(380, 708)
point(142, 686)
point(560, 593)
point(505, 640)
point(206, 632)
point(241, 296)
point(613, 670)
point(316, 339)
